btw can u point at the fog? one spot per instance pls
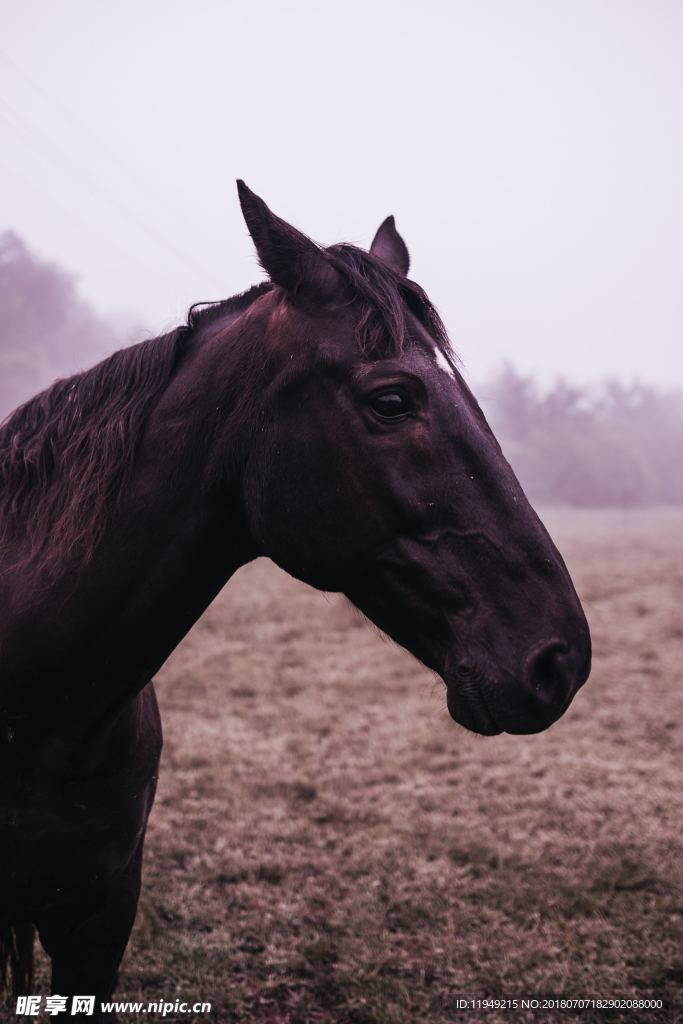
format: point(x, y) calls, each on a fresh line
point(608, 444)
point(531, 153)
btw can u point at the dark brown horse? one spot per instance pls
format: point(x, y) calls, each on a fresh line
point(319, 419)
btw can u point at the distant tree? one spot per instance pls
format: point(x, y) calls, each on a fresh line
point(616, 445)
point(46, 330)
point(513, 400)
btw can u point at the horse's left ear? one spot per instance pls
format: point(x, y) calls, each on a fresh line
point(390, 247)
point(292, 260)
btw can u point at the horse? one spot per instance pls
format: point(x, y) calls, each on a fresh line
point(319, 419)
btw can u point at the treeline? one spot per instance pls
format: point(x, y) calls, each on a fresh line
point(46, 329)
point(611, 445)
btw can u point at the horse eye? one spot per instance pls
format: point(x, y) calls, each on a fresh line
point(390, 405)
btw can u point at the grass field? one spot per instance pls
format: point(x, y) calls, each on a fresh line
point(327, 846)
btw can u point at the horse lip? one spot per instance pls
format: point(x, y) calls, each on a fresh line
point(469, 709)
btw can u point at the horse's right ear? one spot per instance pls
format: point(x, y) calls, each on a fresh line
point(289, 257)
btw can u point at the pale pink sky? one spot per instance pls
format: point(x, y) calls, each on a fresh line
point(531, 152)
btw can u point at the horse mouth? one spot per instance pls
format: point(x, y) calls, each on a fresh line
point(469, 709)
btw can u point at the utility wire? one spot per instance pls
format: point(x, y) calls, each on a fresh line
point(99, 143)
point(27, 126)
point(71, 217)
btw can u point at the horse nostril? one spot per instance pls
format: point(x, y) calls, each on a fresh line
point(550, 675)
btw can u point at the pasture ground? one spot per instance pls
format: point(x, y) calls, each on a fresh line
point(328, 847)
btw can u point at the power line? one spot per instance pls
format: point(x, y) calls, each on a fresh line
point(28, 127)
point(106, 149)
point(70, 216)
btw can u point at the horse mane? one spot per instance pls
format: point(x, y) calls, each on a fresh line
point(65, 454)
point(202, 313)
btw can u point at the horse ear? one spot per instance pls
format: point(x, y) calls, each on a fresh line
point(390, 247)
point(289, 257)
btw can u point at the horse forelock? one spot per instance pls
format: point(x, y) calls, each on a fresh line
point(384, 299)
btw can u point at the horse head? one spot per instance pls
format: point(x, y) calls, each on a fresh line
point(373, 472)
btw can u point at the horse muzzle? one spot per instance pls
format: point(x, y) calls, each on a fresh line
point(527, 701)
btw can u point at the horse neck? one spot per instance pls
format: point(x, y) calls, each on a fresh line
point(174, 541)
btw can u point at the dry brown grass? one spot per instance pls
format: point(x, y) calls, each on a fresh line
point(327, 846)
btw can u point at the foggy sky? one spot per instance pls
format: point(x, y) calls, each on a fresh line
point(531, 152)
